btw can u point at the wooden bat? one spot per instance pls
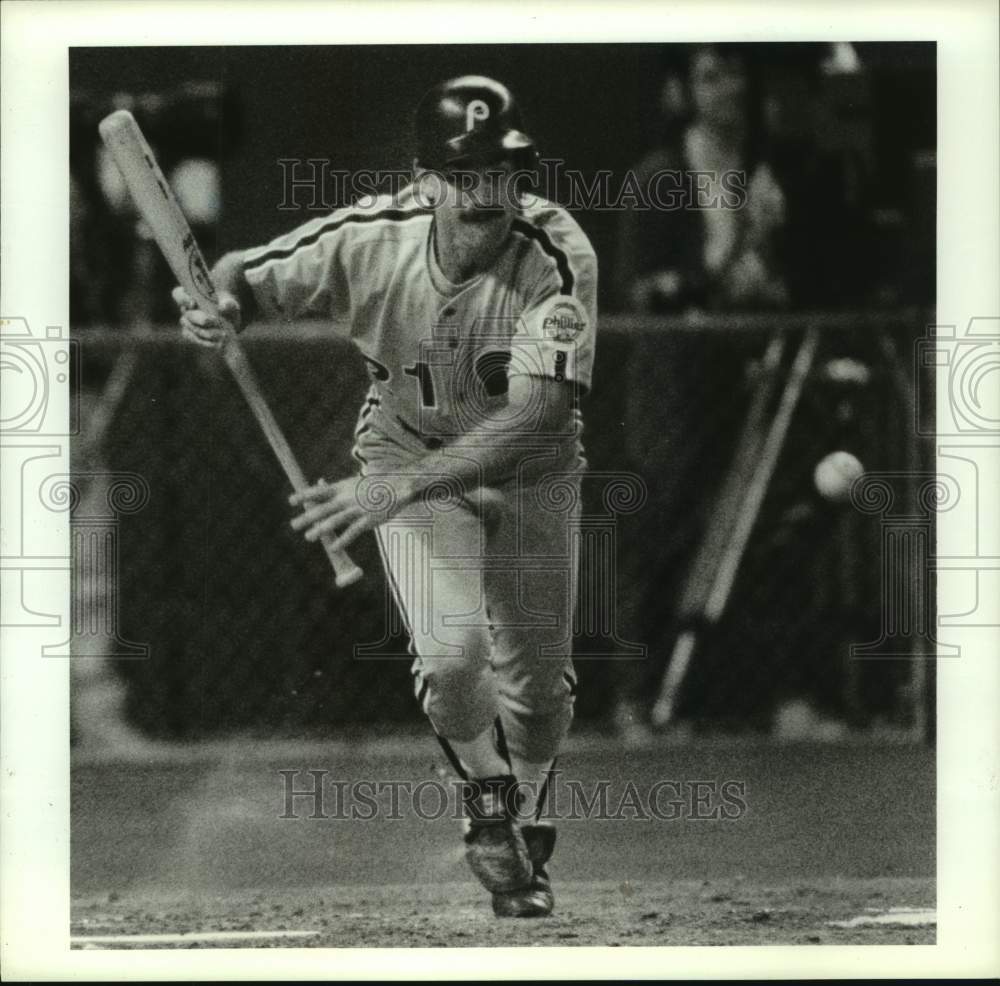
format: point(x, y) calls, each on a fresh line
point(156, 203)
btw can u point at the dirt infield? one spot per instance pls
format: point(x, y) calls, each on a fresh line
point(195, 844)
point(739, 912)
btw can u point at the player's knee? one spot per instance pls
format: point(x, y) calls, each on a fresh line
point(547, 688)
point(460, 723)
point(458, 697)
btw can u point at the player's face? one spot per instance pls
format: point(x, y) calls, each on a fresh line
point(480, 194)
point(474, 209)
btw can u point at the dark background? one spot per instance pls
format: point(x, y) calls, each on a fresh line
point(593, 105)
point(246, 632)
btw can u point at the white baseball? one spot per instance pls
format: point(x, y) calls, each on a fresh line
point(835, 474)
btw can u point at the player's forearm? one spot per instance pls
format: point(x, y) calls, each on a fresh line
point(228, 276)
point(495, 448)
point(471, 462)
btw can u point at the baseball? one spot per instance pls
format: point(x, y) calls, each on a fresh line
point(835, 475)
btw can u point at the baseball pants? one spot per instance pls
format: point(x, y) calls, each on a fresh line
point(486, 585)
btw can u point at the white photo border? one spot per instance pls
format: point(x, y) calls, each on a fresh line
point(35, 693)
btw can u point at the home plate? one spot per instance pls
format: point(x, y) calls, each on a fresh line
point(180, 939)
point(910, 917)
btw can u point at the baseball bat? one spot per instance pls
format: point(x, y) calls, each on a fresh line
point(156, 203)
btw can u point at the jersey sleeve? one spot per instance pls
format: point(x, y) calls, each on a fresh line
point(558, 325)
point(302, 274)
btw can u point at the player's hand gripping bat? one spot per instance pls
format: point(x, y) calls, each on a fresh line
point(158, 206)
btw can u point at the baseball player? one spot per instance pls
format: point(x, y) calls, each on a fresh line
point(474, 306)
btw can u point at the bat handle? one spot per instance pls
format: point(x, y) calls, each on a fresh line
point(346, 572)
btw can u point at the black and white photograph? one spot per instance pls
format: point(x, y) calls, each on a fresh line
point(529, 493)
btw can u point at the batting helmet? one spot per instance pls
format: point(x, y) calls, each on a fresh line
point(471, 119)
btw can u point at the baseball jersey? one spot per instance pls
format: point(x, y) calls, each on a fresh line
point(439, 354)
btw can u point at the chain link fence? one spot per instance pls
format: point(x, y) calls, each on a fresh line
point(246, 633)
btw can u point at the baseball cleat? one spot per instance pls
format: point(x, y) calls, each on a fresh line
point(536, 900)
point(494, 846)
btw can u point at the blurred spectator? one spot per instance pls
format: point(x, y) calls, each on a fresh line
point(118, 278)
point(797, 242)
point(716, 257)
point(793, 120)
point(816, 125)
